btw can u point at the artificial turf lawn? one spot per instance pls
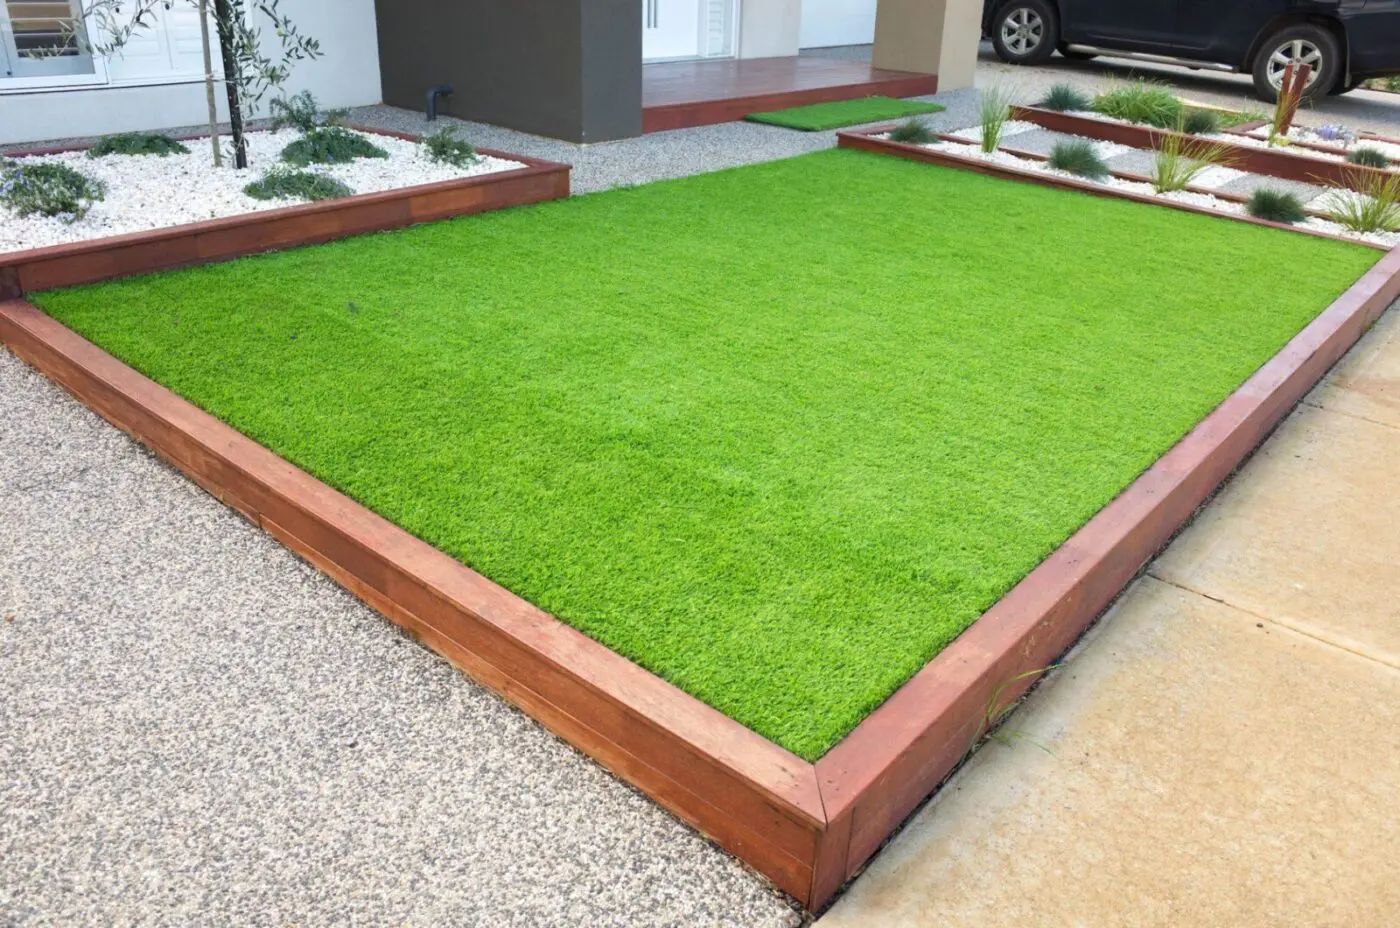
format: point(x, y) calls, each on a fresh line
point(819, 116)
point(778, 434)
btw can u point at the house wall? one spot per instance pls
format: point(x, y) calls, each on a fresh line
point(571, 69)
point(837, 22)
point(769, 28)
point(346, 74)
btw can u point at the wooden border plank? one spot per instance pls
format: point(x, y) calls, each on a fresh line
point(684, 115)
point(750, 795)
point(1249, 158)
point(899, 754)
point(868, 140)
point(213, 240)
point(806, 827)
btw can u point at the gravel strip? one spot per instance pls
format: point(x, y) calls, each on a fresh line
point(139, 188)
point(196, 728)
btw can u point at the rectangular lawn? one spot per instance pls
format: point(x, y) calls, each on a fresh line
point(777, 434)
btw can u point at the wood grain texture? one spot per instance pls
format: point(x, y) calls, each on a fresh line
point(1241, 157)
point(895, 758)
point(270, 230)
point(681, 94)
point(750, 795)
point(809, 828)
point(865, 140)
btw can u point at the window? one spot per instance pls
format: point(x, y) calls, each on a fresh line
point(42, 39)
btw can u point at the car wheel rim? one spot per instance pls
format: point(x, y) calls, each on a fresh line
point(1022, 31)
point(1294, 51)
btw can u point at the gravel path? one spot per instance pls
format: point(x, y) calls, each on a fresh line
point(196, 728)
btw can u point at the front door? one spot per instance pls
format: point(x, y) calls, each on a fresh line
point(670, 29)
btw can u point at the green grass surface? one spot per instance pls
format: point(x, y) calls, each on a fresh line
point(778, 433)
point(821, 116)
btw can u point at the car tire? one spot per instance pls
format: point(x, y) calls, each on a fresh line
point(1024, 31)
point(1304, 42)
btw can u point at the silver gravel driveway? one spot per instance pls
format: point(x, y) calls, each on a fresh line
point(198, 729)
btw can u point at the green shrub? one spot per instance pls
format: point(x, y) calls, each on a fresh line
point(1064, 99)
point(912, 132)
point(445, 148)
point(136, 143)
point(280, 183)
point(1276, 206)
point(1078, 157)
point(1200, 122)
point(301, 112)
point(1368, 157)
point(1141, 102)
point(1371, 205)
point(49, 189)
point(330, 145)
point(1231, 118)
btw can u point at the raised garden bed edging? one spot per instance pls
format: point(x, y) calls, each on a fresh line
point(869, 140)
point(1282, 165)
point(274, 229)
point(808, 827)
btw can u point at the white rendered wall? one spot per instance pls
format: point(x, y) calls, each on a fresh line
point(346, 74)
point(837, 22)
point(769, 28)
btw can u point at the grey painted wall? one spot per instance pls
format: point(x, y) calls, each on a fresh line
point(570, 69)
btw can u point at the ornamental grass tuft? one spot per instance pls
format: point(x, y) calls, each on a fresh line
point(1276, 206)
point(1080, 157)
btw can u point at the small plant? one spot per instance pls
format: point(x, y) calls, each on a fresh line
point(1276, 206)
point(1200, 122)
point(1063, 98)
point(912, 132)
point(996, 111)
point(1368, 157)
point(301, 112)
point(1372, 204)
point(49, 189)
point(445, 148)
point(280, 183)
point(136, 143)
point(1333, 133)
point(1141, 102)
point(1179, 160)
point(1078, 157)
point(330, 145)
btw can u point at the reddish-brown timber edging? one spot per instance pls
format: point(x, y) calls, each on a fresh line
point(1272, 162)
point(870, 140)
point(116, 256)
point(808, 827)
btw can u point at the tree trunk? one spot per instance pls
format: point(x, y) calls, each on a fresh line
point(223, 14)
point(209, 83)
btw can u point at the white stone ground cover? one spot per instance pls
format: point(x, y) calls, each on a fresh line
point(147, 192)
point(1228, 207)
point(1304, 134)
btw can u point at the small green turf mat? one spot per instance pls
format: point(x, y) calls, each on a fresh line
point(819, 116)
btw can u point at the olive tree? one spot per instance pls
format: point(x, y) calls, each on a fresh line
point(249, 72)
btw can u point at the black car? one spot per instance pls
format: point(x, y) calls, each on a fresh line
point(1345, 41)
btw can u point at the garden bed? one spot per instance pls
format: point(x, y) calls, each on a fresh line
point(1007, 162)
point(741, 493)
point(1248, 154)
point(178, 210)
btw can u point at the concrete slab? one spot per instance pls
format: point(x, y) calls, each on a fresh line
point(1367, 382)
point(1249, 183)
point(1200, 767)
point(1308, 534)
